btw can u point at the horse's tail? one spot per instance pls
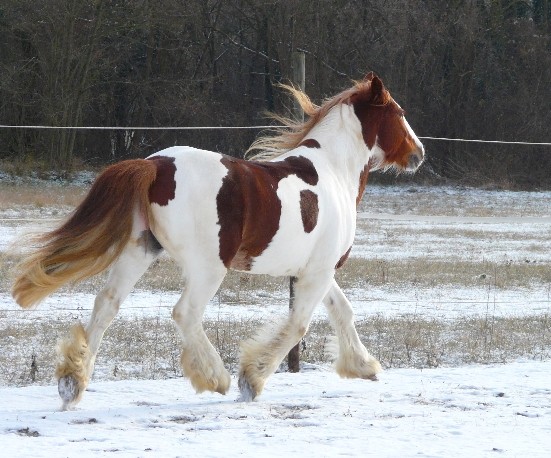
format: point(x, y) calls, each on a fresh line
point(93, 236)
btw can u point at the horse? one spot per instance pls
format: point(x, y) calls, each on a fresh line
point(290, 210)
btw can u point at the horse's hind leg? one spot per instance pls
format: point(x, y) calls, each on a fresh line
point(200, 361)
point(77, 354)
point(262, 354)
point(352, 360)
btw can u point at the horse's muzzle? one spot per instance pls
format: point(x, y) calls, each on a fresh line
point(415, 159)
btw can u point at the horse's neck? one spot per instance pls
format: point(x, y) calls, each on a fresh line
point(340, 137)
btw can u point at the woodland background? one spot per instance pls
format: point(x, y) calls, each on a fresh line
point(461, 68)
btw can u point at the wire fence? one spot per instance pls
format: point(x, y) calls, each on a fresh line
point(282, 303)
point(138, 127)
point(463, 140)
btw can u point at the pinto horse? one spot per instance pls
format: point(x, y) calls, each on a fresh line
point(289, 212)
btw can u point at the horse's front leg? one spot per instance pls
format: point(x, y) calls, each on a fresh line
point(352, 360)
point(200, 361)
point(262, 354)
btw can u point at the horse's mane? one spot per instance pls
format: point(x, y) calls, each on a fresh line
point(292, 132)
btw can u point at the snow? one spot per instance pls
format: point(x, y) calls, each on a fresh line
point(478, 239)
point(463, 224)
point(454, 201)
point(442, 302)
point(470, 411)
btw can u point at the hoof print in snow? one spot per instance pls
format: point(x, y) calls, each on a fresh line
point(27, 432)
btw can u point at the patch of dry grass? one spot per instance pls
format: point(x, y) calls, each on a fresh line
point(15, 196)
point(361, 272)
point(165, 275)
point(149, 347)
point(145, 348)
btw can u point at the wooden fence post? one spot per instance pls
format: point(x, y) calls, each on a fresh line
point(299, 80)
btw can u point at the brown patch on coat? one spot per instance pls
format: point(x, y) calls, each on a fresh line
point(310, 143)
point(249, 208)
point(163, 188)
point(343, 259)
point(309, 209)
point(297, 165)
point(362, 184)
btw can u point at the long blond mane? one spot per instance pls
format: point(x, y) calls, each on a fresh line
point(292, 132)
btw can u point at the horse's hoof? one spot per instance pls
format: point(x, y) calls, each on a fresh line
point(69, 390)
point(224, 383)
point(247, 392)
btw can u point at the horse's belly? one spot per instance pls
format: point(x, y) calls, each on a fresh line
point(284, 259)
point(312, 235)
point(292, 251)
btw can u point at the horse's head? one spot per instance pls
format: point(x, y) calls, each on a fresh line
point(384, 127)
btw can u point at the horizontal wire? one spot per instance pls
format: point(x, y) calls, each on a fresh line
point(499, 142)
point(405, 301)
point(136, 128)
point(465, 140)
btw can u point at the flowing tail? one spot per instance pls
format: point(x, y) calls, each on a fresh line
point(93, 236)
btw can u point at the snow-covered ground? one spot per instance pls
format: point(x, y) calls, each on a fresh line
point(443, 302)
point(394, 224)
point(478, 239)
point(469, 411)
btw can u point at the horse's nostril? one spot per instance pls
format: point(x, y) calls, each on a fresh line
point(414, 161)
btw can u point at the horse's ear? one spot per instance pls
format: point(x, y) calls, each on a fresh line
point(369, 77)
point(377, 88)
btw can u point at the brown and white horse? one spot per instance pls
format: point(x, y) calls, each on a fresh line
point(293, 213)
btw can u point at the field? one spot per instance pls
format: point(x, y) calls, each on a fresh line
point(441, 279)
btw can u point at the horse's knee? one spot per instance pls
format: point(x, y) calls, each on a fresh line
point(108, 302)
point(340, 312)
